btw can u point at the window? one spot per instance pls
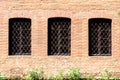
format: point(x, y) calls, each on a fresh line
point(59, 36)
point(19, 36)
point(100, 37)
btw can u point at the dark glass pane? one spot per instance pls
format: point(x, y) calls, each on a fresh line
point(59, 33)
point(19, 36)
point(99, 36)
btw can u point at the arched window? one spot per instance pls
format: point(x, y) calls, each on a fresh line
point(19, 36)
point(59, 36)
point(100, 37)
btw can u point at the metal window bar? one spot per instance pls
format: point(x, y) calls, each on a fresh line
point(99, 37)
point(59, 36)
point(19, 36)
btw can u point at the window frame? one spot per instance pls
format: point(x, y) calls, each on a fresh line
point(98, 20)
point(59, 19)
point(11, 21)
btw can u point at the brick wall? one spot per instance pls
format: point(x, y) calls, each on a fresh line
point(79, 11)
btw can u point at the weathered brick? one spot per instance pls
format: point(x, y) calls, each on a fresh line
point(79, 11)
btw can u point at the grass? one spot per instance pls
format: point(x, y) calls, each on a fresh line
point(72, 74)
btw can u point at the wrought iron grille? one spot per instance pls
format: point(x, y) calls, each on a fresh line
point(59, 36)
point(99, 37)
point(19, 36)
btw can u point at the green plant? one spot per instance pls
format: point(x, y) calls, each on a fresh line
point(60, 75)
point(36, 74)
point(51, 78)
point(1, 76)
point(74, 74)
point(16, 79)
point(106, 75)
point(91, 77)
point(119, 13)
